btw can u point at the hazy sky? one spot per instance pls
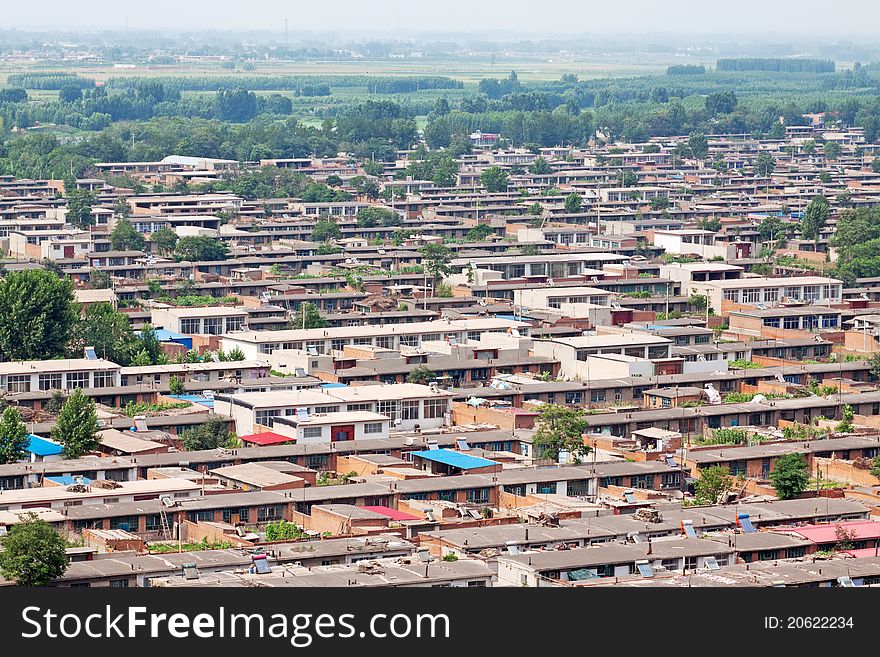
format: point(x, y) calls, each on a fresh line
point(381, 18)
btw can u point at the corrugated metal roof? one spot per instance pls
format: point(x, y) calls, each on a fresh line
point(454, 459)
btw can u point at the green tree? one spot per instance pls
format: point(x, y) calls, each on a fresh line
point(13, 436)
point(712, 484)
point(435, 260)
point(560, 428)
point(764, 164)
point(235, 355)
point(372, 217)
point(199, 249)
point(494, 179)
point(539, 167)
point(325, 230)
point(308, 317)
point(76, 427)
point(176, 386)
point(105, 329)
point(121, 207)
point(831, 150)
point(148, 342)
point(33, 553)
point(209, 435)
point(846, 423)
point(699, 145)
point(478, 233)
point(165, 240)
point(573, 203)
point(100, 279)
point(790, 476)
point(815, 218)
point(421, 374)
point(124, 237)
point(875, 165)
point(79, 208)
point(36, 314)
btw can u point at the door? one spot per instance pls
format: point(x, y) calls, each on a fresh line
point(342, 432)
point(68, 251)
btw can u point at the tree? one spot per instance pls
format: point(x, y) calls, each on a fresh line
point(36, 314)
point(235, 355)
point(200, 248)
point(121, 207)
point(790, 476)
point(539, 167)
point(105, 329)
point(875, 165)
point(165, 240)
point(831, 150)
point(372, 217)
point(494, 179)
point(176, 386)
point(209, 435)
point(560, 428)
point(421, 374)
point(699, 145)
point(148, 342)
point(13, 436)
point(237, 105)
point(435, 260)
point(124, 237)
point(764, 164)
point(33, 553)
point(325, 230)
point(478, 233)
point(76, 427)
point(712, 484)
point(100, 279)
point(815, 218)
point(308, 316)
point(69, 94)
point(573, 203)
point(79, 208)
point(846, 423)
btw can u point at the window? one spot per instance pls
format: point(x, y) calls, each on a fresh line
point(213, 325)
point(372, 427)
point(318, 462)
point(125, 523)
point(737, 468)
point(771, 294)
point(118, 583)
point(478, 496)
point(152, 522)
point(103, 379)
point(642, 481)
point(435, 408)
point(767, 555)
point(269, 513)
point(189, 326)
point(77, 379)
point(791, 322)
point(390, 408)
point(266, 417)
point(574, 398)
point(579, 488)
point(752, 295)
point(312, 432)
point(20, 383)
point(200, 516)
point(795, 553)
point(234, 323)
point(50, 381)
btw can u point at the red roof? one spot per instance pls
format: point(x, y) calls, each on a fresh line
point(864, 552)
point(393, 514)
point(267, 438)
point(828, 533)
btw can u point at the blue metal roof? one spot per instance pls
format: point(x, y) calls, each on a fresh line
point(454, 459)
point(196, 399)
point(169, 336)
point(42, 447)
point(333, 385)
point(68, 480)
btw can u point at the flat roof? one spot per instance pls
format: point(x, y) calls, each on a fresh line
point(454, 459)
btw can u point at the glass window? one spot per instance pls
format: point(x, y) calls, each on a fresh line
point(312, 432)
point(372, 427)
point(213, 325)
point(435, 408)
point(103, 379)
point(189, 326)
point(50, 381)
point(77, 379)
point(234, 323)
point(19, 383)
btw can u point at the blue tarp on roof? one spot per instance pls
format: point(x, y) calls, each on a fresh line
point(195, 399)
point(42, 447)
point(333, 385)
point(169, 336)
point(454, 459)
point(68, 480)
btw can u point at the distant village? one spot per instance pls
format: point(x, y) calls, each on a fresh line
point(628, 364)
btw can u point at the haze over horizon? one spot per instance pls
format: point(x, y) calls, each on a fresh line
point(391, 17)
